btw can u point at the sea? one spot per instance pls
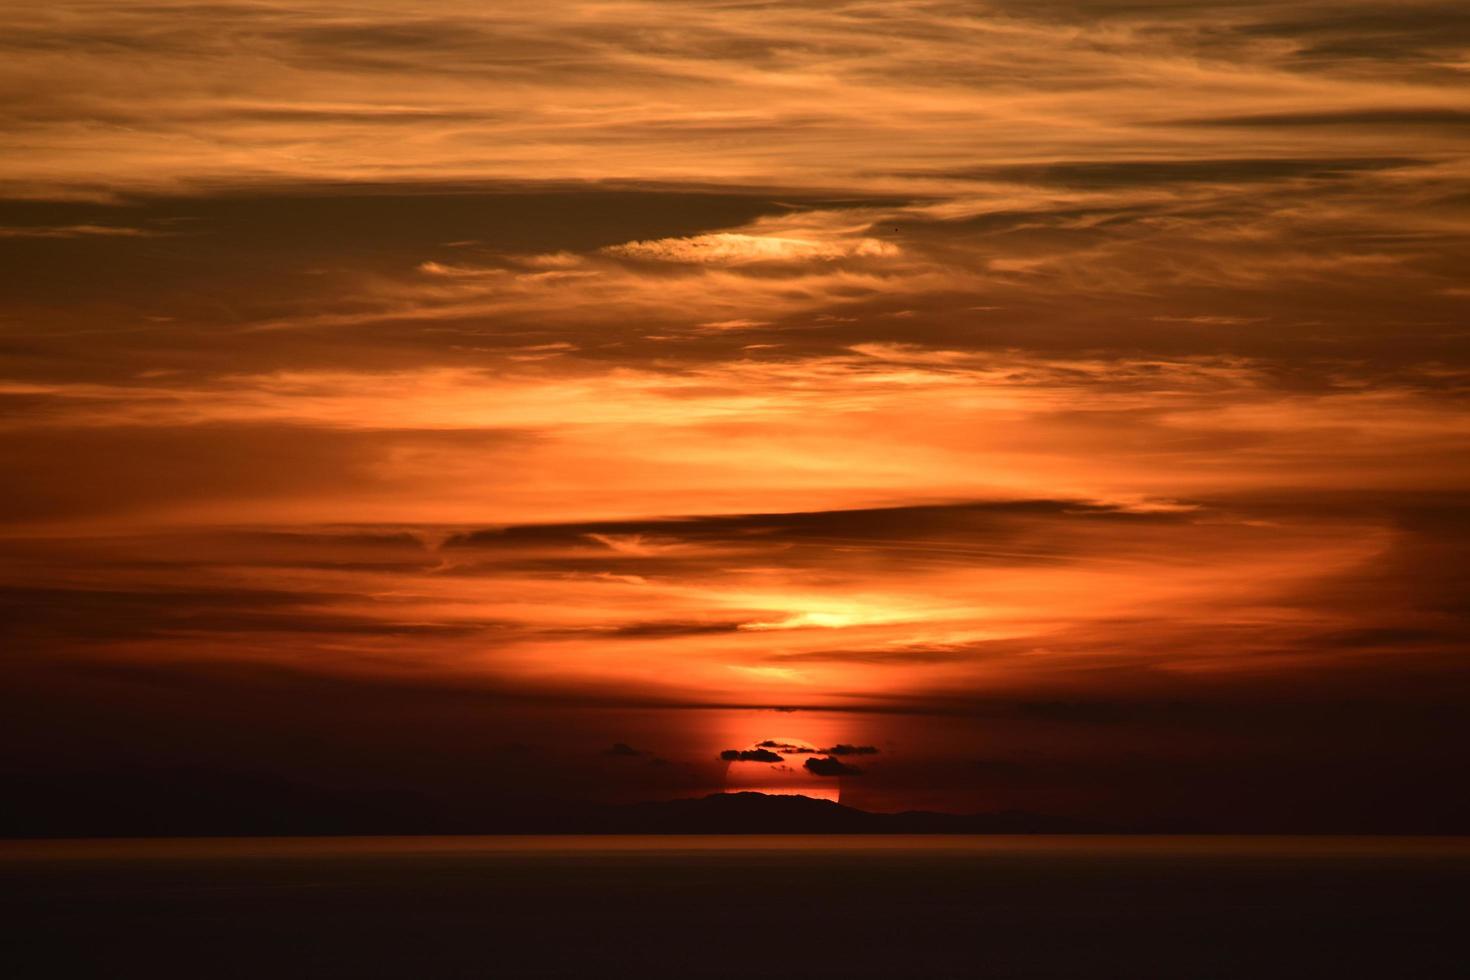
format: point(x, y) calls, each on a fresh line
point(737, 906)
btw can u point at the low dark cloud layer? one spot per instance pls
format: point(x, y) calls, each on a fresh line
point(749, 755)
point(829, 766)
point(810, 750)
point(624, 750)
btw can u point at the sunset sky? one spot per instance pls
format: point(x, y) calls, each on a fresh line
point(1060, 405)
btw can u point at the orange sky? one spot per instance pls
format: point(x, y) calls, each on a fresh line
point(1065, 399)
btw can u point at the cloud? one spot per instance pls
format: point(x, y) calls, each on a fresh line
point(749, 755)
point(851, 750)
point(830, 767)
point(1166, 172)
point(377, 93)
point(76, 231)
point(738, 324)
point(727, 248)
point(664, 630)
point(808, 750)
point(1432, 116)
point(625, 751)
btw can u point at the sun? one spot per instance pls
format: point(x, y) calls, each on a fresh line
point(787, 777)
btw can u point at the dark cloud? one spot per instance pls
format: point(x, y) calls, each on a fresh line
point(749, 755)
point(830, 767)
point(917, 654)
point(624, 750)
point(1224, 170)
point(1366, 35)
point(852, 750)
point(233, 257)
point(108, 470)
point(1426, 116)
point(56, 614)
point(658, 629)
point(1386, 636)
point(785, 747)
point(789, 749)
point(817, 527)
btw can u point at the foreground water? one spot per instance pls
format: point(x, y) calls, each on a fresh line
point(461, 907)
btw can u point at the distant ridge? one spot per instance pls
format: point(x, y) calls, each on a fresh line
point(718, 813)
point(757, 813)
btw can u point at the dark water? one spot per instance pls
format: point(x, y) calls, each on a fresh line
point(738, 907)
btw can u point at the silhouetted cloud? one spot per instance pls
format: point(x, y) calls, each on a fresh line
point(624, 750)
point(830, 767)
point(852, 750)
point(785, 747)
point(789, 749)
point(820, 526)
point(749, 755)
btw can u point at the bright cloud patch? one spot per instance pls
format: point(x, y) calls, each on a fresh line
point(729, 248)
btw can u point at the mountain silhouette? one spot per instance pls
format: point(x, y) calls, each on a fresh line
point(758, 813)
point(235, 811)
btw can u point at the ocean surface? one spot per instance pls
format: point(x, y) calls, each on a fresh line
point(461, 907)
